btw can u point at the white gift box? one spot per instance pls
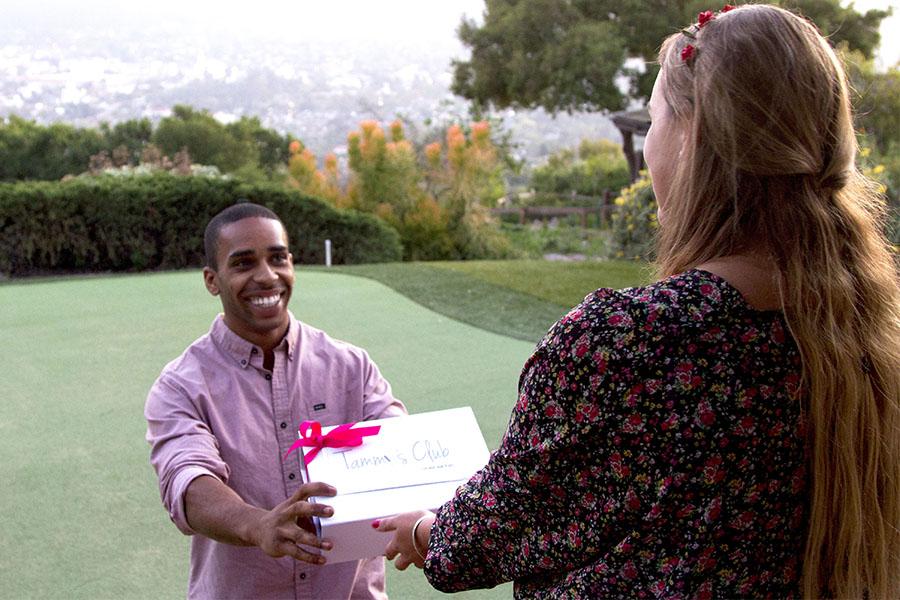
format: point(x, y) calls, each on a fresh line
point(414, 462)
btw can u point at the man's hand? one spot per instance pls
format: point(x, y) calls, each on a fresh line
point(278, 531)
point(401, 547)
point(215, 510)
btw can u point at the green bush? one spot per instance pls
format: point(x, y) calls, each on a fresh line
point(633, 222)
point(599, 166)
point(157, 221)
point(535, 242)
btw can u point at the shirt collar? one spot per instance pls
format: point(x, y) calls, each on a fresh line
point(243, 351)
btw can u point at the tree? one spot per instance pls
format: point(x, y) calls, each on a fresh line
point(208, 141)
point(876, 100)
point(133, 135)
point(568, 54)
point(32, 151)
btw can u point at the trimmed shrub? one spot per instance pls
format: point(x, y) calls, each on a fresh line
point(157, 221)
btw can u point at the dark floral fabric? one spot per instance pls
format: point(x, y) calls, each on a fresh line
point(655, 451)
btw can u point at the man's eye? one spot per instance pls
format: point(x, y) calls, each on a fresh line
point(279, 258)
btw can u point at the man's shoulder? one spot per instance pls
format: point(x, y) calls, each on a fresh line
point(321, 342)
point(191, 363)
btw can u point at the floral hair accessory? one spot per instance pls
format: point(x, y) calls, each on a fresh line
point(690, 51)
point(687, 53)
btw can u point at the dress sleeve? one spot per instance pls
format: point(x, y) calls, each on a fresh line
point(544, 504)
point(182, 447)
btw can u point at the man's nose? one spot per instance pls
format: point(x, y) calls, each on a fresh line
point(265, 273)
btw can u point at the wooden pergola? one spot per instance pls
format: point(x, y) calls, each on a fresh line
point(631, 123)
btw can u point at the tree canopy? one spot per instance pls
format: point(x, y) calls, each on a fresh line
point(570, 54)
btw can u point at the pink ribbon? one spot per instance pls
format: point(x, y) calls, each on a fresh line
point(341, 436)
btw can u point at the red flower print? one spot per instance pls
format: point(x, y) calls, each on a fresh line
point(587, 413)
point(631, 500)
point(634, 423)
point(713, 511)
point(705, 414)
point(553, 410)
point(705, 17)
point(629, 571)
point(669, 564)
point(711, 471)
point(670, 422)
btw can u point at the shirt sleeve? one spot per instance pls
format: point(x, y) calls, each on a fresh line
point(378, 398)
point(542, 506)
point(182, 447)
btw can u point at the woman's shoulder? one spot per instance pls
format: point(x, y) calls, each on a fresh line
point(686, 298)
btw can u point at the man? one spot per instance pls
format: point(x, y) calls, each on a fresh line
point(221, 417)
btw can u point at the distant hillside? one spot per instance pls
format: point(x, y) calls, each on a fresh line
point(316, 91)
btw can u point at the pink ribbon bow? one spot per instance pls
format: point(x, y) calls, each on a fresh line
point(341, 436)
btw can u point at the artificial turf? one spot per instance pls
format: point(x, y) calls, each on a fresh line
point(79, 512)
point(520, 299)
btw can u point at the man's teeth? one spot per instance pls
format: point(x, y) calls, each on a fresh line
point(265, 301)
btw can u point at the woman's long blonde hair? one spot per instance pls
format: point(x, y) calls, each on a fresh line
point(768, 166)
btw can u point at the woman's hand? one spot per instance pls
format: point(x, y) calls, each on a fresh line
point(403, 547)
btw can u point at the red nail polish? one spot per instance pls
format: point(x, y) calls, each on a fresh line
point(376, 523)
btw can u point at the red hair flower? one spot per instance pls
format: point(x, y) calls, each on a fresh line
point(726, 8)
point(705, 17)
point(687, 53)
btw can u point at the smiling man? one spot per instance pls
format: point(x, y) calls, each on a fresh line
point(222, 415)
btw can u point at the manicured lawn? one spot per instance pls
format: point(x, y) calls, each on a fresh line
point(80, 511)
point(521, 299)
point(562, 283)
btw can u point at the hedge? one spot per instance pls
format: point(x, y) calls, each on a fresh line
point(156, 222)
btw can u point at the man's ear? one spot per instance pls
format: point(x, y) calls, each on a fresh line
point(209, 279)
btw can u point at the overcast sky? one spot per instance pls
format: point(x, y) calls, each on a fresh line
point(417, 21)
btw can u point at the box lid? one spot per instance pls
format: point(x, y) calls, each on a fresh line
point(426, 448)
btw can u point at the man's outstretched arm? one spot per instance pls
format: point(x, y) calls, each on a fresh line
point(216, 511)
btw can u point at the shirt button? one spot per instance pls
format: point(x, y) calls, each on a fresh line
point(283, 424)
point(243, 362)
point(302, 575)
point(253, 351)
point(268, 377)
point(291, 476)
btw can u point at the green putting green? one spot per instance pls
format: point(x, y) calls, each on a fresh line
point(80, 511)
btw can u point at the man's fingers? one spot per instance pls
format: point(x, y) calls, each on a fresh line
point(290, 549)
point(316, 488)
point(302, 509)
point(301, 536)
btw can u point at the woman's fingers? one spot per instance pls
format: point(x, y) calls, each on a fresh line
point(385, 524)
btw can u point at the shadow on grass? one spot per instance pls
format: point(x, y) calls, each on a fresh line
point(467, 299)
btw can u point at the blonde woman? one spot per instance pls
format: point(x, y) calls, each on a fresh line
point(732, 430)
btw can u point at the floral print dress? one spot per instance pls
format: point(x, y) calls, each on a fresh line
point(655, 451)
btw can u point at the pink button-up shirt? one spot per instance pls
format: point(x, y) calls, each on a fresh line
point(216, 411)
